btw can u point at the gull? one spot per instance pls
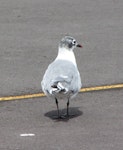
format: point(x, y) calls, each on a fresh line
point(62, 79)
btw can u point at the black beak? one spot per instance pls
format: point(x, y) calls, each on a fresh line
point(78, 45)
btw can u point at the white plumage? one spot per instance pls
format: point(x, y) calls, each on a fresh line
point(62, 78)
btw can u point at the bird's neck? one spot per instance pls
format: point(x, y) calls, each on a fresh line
point(65, 54)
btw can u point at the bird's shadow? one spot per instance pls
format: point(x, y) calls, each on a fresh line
point(73, 111)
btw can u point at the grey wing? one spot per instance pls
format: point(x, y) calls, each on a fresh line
point(64, 73)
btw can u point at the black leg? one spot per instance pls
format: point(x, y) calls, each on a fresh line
point(68, 107)
point(57, 107)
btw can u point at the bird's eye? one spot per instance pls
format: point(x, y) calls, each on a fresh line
point(74, 42)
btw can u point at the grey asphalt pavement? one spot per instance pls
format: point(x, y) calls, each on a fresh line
point(97, 125)
point(30, 31)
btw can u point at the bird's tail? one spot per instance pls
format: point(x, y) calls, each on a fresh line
point(58, 87)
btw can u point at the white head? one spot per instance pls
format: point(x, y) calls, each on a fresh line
point(69, 43)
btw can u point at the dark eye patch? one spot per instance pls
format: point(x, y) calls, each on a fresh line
point(70, 45)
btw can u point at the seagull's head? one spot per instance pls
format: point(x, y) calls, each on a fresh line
point(69, 43)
